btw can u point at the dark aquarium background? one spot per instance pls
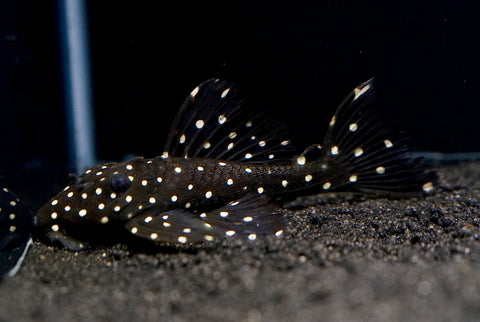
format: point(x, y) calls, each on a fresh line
point(298, 58)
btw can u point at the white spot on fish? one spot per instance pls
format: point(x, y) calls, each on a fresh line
point(69, 195)
point(148, 219)
point(182, 239)
point(248, 156)
point(208, 194)
point(353, 178)
point(159, 179)
point(252, 236)
point(194, 92)
point(333, 120)
point(279, 233)
point(326, 186)
point(129, 167)
point(82, 212)
point(284, 183)
point(104, 220)
point(98, 191)
point(128, 199)
point(208, 237)
point(334, 150)
point(301, 160)
point(207, 145)
point(229, 182)
point(144, 182)
point(174, 198)
point(223, 214)
point(308, 178)
point(67, 208)
point(224, 93)
point(178, 169)
point(260, 190)
point(152, 200)
point(153, 236)
point(134, 230)
point(222, 119)
point(360, 91)
point(388, 144)
point(232, 135)
point(380, 170)
point(182, 139)
point(199, 124)
point(353, 127)
point(428, 187)
point(53, 215)
point(200, 169)
point(247, 219)
point(358, 152)
point(54, 202)
point(101, 206)
point(230, 233)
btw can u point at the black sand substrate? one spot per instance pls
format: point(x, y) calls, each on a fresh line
point(344, 258)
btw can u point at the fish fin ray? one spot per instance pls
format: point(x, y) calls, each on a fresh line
point(214, 122)
point(246, 217)
point(251, 214)
point(367, 147)
point(174, 226)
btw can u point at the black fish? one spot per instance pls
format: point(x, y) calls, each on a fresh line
point(225, 168)
point(16, 227)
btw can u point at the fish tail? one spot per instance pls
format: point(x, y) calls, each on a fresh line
point(365, 151)
point(16, 227)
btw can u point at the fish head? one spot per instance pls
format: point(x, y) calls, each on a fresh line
point(109, 192)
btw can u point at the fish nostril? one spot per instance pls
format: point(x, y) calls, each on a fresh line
point(75, 179)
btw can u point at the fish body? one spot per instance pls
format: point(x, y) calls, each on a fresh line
point(16, 227)
point(225, 168)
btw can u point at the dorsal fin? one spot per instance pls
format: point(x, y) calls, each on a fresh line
point(367, 146)
point(215, 123)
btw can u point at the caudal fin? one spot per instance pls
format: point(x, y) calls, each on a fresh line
point(366, 145)
point(16, 226)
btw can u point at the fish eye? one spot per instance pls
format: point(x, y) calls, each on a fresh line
point(119, 183)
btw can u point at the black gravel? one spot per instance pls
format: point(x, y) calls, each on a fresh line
point(344, 259)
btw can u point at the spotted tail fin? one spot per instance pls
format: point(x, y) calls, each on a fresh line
point(367, 148)
point(16, 226)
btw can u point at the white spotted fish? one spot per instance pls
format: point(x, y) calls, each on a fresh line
point(224, 169)
point(16, 227)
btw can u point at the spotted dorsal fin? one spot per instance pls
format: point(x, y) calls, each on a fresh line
point(215, 123)
point(367, 146)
